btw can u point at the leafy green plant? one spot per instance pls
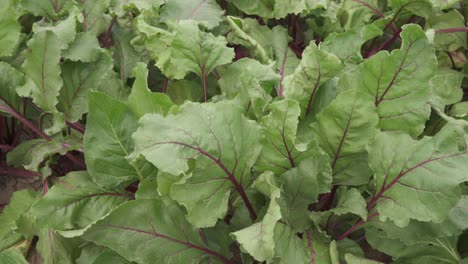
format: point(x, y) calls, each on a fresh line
point(203, 131)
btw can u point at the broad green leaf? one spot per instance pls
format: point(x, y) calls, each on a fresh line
point(223, 143)
point(422, 8)
point(460, 110)
point(356, 14)
point(54, 248)
point(76, 202)
point(316, 67)
point(399, 82)
point(272, 8)
point(352, 259)
point(350, 201)
point(94, 254)
point(149, 231)
point(343, 130)
point(10, 78)
point(348, 53)
point(444, 4)
point(65, 29)
point(30, 154)
point(46, 8)
point(301, 186)
point(258, 239)
point(446, 84)
point(95, 19)
point(410, 175)
point(448, 41)
point(12, 256)
point(19, 202)
point(141, 100)
point(84, 48)
point(78, 79)
point(205, 12)
point(10, 29)
point(42, 69)
point(279, 152)
point(107, 142)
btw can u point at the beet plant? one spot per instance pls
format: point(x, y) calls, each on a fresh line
point(240, 131)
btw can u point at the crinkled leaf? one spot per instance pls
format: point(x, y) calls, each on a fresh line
point(343, 129)
point(223, 143)
point(10, 78)
point(78, 79)
point(205, 12)
point(54, 248)
point(351, 52)
point(446, 84)
point(141, 100)
point(10, 29)
point(84, 48)
point(410, 175)
point(12, 256)
point(352, 259)
point(316, 67)
point(448, 41)
point(121, 6)
point(149, 231)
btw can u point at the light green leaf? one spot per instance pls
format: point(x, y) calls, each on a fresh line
point(316, 67)
point(75, 202)
point(205, 12)
point(261, 8)
point(79, 78)
point(121, 6)
point(105, 155)
point(399, 82)
point(19, 202)
point(410, 175)
point(10, 78)
point(184, 90)
point(141, 100)
point(448, 41)
point(301, 186)
point(64, 29)
point(46, 8)
point(350, 201)
point(12, 256)
point(85, 48)
point(343, 129)
point(94, 18)
point(10, 29)
point(351, 52)
point(125, 55)
point(158, 232)
point(223, 143)
point(94, 254)
point(356, 14)
point(352, 259)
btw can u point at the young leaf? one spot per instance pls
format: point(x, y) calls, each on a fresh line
point(316, 67)
point(84, 48)
point(141, 100)
point(446, 84)
point(150, 231)
point(399, 82)
point(412, 174)
point(10, 78)
point(343, 129)
point(224, 145)
point(109, 127)
point(10, 29)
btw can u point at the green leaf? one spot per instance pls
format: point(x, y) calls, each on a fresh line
point(343, 129)
point(349, 53)
point(205, 12)
point(107, 142)
point(316, 67)
point(54, 248)
point(75, 202)
point(352, 259)
point(149, 231)
point(350, 201)
point(121, 6)
point(399, 82)
point(141, 100)
point(46, 8)
point(446, 84)
point(30, 154)
point(94, 254)
point(448, 41)
point(10, 78)
point(84, 48)
point(272, 8)
point(78, 79)
point(12, 256)
point(224, 145)
point(95, 19)
point(10, 29)
point(19, 203)
point(125, 56)
point(258, 239)
point(64, 29)
point(412, 174)
point(41, 65)
point(184, 90)
point(279, 152)
point(301, 186)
